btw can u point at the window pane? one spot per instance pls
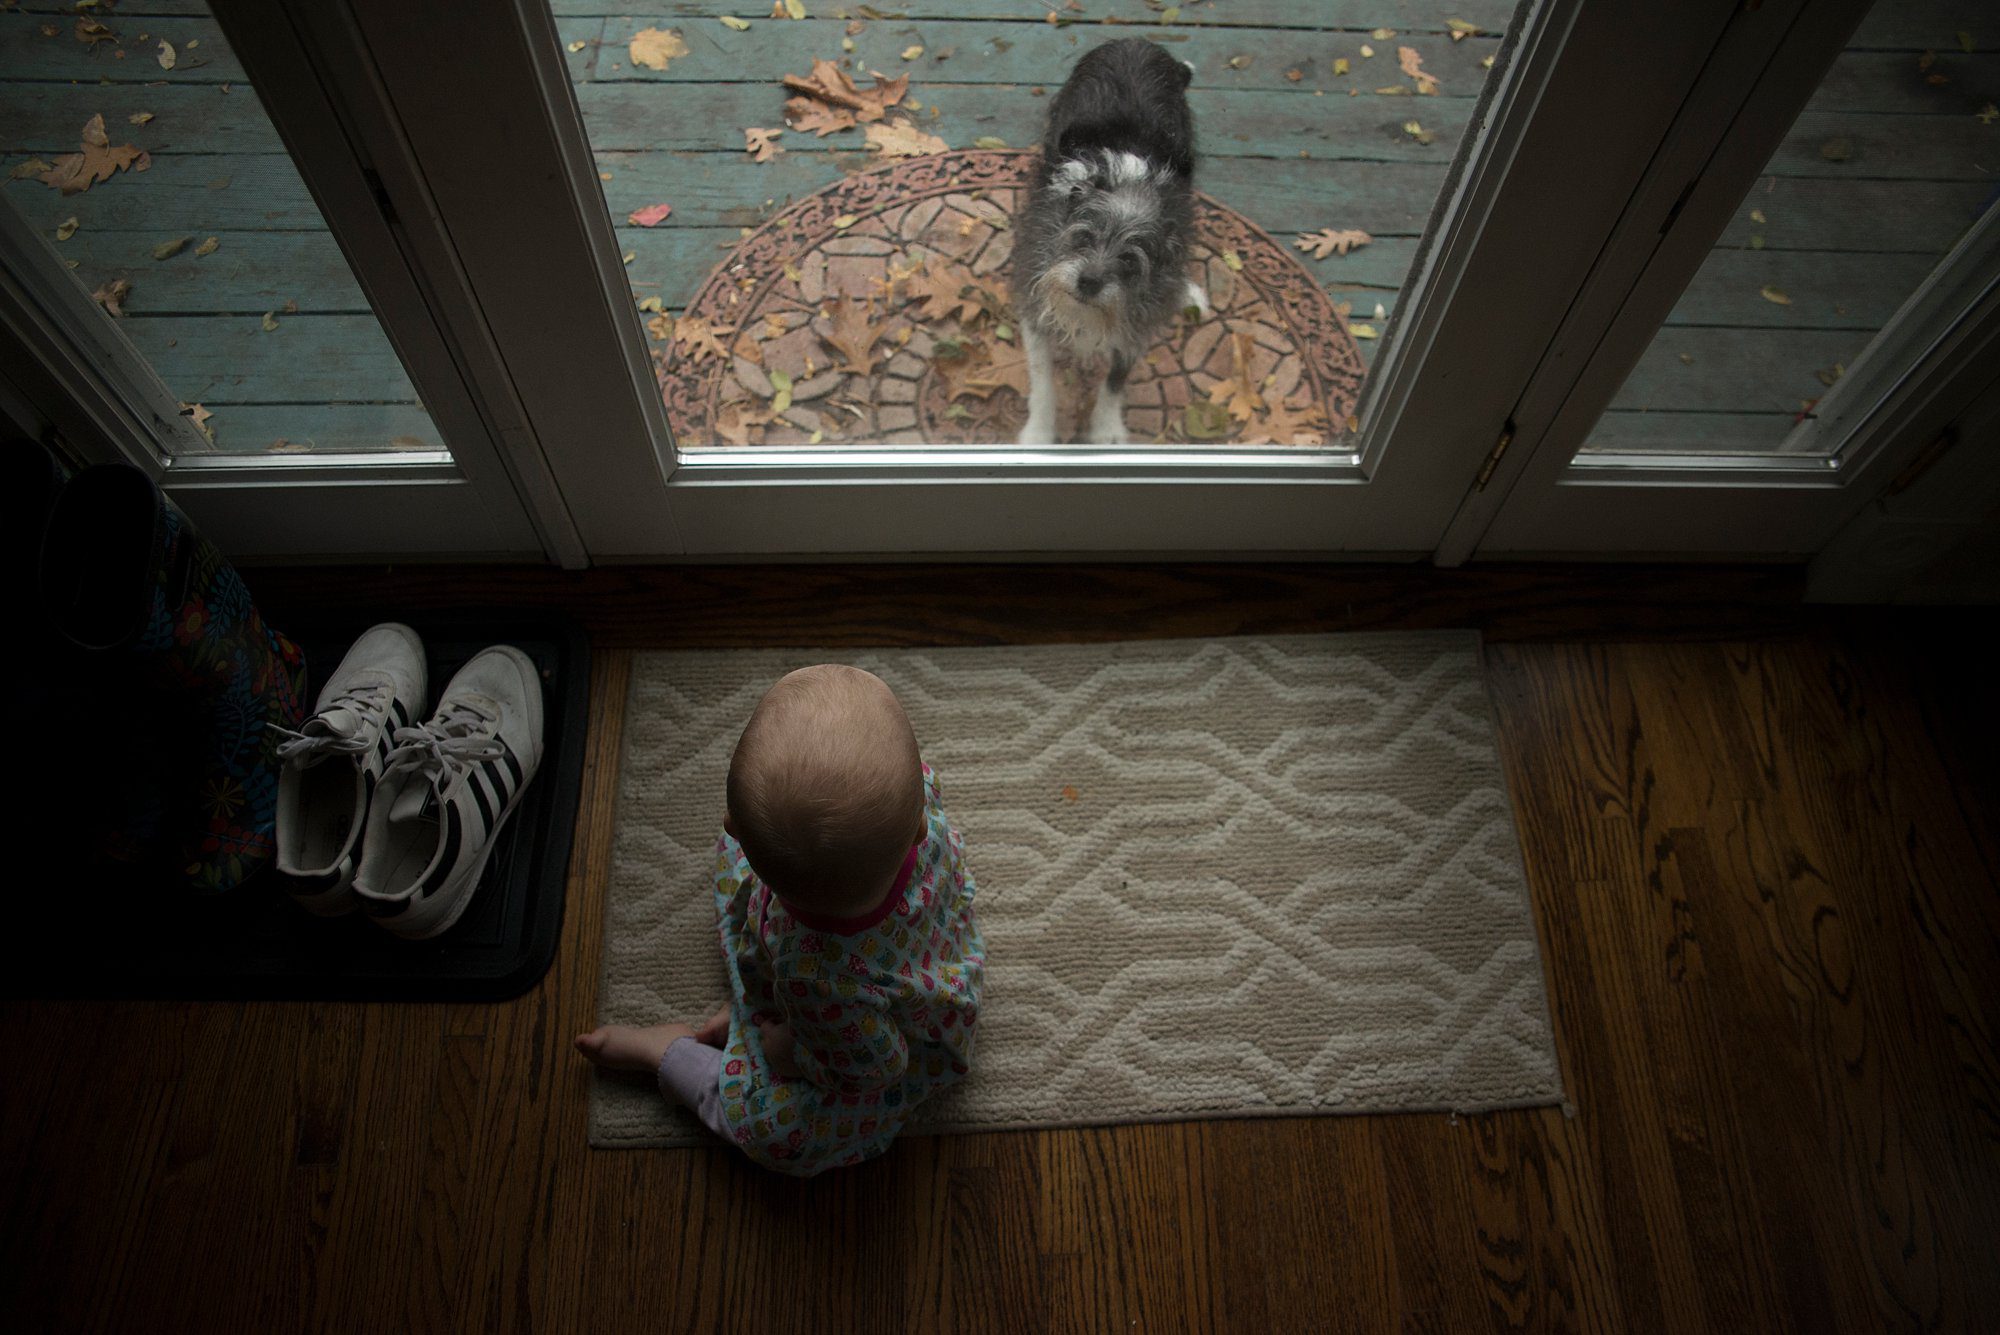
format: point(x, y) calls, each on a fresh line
point(204, 245)
point(1885, 169)
point(822, 254)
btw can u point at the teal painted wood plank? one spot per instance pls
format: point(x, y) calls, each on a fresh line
point(27, 53)
point(1629, 432)
point(1927, 25)
point(1917, 148)
point(1037, 54)
point(628, 117)
point(1735, 370)
point(1828, 291)
point(712, 189)
point(216, 359)
point(182, 193)
point(1804, 213)
point(255, 428)
point(1890, 81)
point(247, 274)
point(48, 118)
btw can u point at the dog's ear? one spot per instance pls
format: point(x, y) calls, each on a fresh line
point(1183, 74)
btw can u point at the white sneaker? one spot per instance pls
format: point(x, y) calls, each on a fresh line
point(451, 784)
point(329, 768)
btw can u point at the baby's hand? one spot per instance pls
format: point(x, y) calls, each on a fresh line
point(715, 1032)
point(778, 1050)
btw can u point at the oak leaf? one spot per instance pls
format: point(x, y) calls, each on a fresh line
point(656, 48)
point(1287, 424)
point(1238, 395)
point(112, 295)
point(849, 331)
point(698, 337)
point(73, 173)
point(1328, 241)
point(761, 144)
point(650, 216)
point(947, 290)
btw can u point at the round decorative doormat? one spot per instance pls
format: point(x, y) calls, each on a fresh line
point(875, 310)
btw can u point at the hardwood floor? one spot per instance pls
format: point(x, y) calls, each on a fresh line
point(1763, 847)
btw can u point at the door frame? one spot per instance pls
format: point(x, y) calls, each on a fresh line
point(1545, 501)
point(1441, 391)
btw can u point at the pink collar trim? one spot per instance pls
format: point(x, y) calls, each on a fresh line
point(821, 922)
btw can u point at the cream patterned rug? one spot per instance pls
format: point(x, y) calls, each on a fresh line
point(1218, 878)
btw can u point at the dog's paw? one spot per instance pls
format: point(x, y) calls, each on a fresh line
point(1107, 424)
point(1037, 433)
point(1196, 303)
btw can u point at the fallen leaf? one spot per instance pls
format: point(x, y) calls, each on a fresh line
point(829, 100)
point(90, 32)
point(896, 140)
point(1837, 150)
point(850, 332)
point(166, 56)
point(1367, 52)
point(73, 173)
point(1756, 243)
point(1460, 29)
point(698, 337)
point(651, 305)
point(23, 170)
point(1239, 62)
point(989, 141)
point(1330, 241)
point(1988, 114)
point(1393, 90)
point(845, 221)
point(731, 21)
point(781, 401)
point(139, 117)
point(112, 294)
point(948, 291)
point(1773, 295)
point(1232, 261)
point(1687, 359)
point(1383, 34)
point(1419, 133)
point(1362, 330)
point(1286, 424)
point(650, 216)
point(1205, 421)
point(912, 52)
point(66, 229)
point(166, 250)
point(1237, 395)
point(1827, 377)
point(577, 45)
point(1413, 65)
point(1487, 63)
point(1757, 216)
point(656, 48)
point(737, 422)
point(207, 247)
point(660, 327)
point(1069, 793)
point(1340, 66)
point(795, 8)
point(270, 321)
point(761, 144)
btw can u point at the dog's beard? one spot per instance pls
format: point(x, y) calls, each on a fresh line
point(1086, 326)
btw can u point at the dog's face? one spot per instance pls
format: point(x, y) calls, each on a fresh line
point(1112, 237)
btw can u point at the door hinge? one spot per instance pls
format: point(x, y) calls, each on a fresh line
point(1493, 458)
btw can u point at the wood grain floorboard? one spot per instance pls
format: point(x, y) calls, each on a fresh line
point(1761, 844)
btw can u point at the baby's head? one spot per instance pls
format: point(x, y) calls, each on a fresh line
point(826, 789)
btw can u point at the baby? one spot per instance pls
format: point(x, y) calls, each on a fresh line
point(847, 927)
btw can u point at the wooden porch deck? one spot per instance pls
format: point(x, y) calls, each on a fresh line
point(1847, 239)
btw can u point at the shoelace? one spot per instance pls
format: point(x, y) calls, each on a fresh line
point(447, 746)
point(369, 703)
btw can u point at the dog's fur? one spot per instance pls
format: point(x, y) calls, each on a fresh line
point(1100, 253)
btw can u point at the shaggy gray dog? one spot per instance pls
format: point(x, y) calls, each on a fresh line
point(1100, 253)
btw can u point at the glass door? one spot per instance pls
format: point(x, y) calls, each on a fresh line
point(157, 227)
point(1830, 292)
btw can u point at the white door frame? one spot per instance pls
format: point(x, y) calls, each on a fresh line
point(1442, 394)
point(1545, 501)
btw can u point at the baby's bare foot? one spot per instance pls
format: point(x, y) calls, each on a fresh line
point(621, 1047)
